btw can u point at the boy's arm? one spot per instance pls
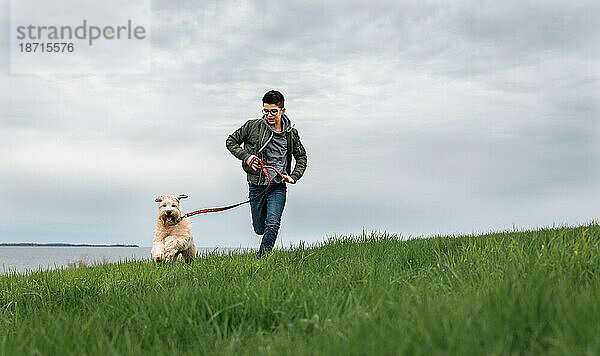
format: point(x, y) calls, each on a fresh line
point(300, 157)
point(234, 141)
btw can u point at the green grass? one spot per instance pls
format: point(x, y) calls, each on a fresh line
point(528, 292)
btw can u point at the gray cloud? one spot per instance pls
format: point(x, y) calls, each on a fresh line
point(418, 118)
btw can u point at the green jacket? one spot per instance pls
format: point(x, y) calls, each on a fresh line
point(254, 135)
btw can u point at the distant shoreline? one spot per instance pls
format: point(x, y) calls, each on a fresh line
point(31, 244)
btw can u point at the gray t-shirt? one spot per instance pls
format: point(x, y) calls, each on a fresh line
point(275, 152)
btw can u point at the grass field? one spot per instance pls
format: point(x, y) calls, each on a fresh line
point(529, 292)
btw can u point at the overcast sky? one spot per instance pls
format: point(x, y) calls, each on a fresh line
point(419, 118)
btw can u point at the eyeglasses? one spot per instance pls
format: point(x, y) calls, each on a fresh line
point(271, 112)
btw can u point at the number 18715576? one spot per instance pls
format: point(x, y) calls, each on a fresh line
point(48, 47)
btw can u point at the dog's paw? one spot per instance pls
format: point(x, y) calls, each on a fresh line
point(170, 255)
point(158, 254)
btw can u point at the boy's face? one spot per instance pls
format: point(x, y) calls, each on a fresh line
point(269, 110)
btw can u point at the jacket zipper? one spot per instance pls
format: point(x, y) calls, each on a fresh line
point(260, 172)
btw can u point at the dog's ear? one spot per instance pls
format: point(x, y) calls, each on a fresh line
point(158, 200)
point(182, 196)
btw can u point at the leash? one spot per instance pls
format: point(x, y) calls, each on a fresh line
point(263, 167)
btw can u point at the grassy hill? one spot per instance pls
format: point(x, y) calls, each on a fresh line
point(530, 292)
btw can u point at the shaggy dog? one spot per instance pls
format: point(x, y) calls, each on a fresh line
point(172, 236)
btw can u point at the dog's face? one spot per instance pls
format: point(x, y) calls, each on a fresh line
point(168, 208)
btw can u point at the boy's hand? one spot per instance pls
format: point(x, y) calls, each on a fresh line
point(288, 179)
point(252, 161)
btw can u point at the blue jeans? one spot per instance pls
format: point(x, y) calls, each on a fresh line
point(266, 213)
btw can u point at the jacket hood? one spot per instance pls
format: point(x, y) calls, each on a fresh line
point(286, 123)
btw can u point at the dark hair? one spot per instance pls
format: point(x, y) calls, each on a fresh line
point(273, 97)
